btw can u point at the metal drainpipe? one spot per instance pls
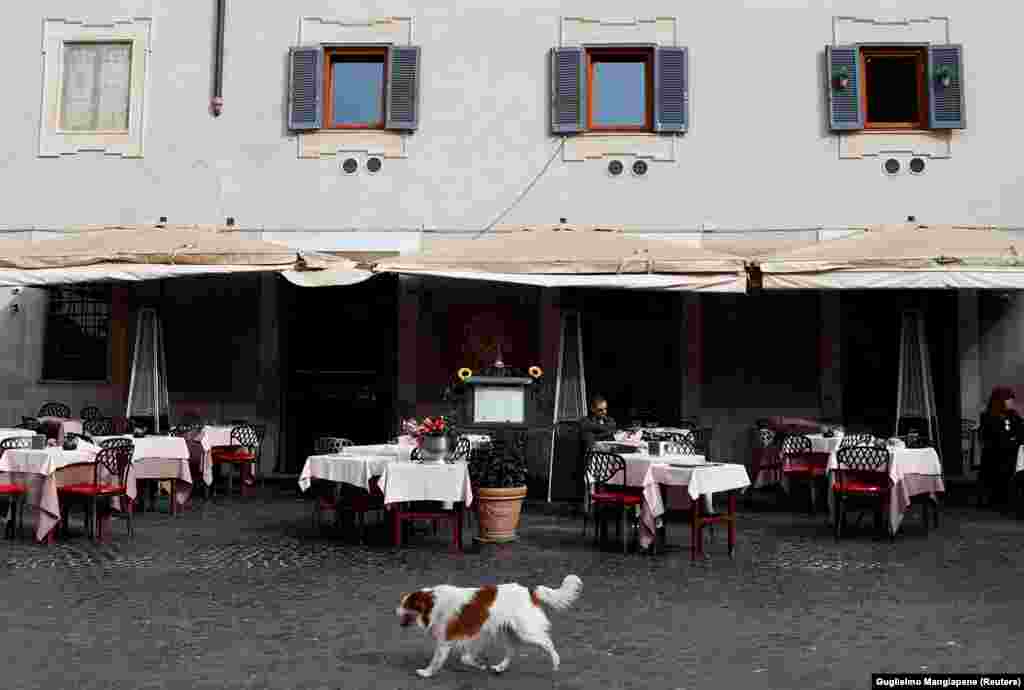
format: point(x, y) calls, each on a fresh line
point(217, 102)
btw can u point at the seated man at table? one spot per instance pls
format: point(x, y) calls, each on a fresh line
point(597, 426)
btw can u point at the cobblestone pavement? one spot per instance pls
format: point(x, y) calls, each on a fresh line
point(247, 595)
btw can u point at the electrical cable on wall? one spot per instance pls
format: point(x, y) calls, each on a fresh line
point(522, 195)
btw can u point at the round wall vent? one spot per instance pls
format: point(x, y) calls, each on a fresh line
point(639, 167)
point(374, 164)
point(917, 165)
point(615, 168)
point(350, 165)
point(892, 166)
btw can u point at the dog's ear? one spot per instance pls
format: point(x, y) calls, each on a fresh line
point(402, 596)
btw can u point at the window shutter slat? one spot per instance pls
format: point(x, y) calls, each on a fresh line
point(304, 108)
point(568, 91)
point(946, 103)
point(403, 97)
point(844, 104)
point(671, 90)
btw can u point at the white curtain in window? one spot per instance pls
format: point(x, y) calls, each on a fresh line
point(97, 83)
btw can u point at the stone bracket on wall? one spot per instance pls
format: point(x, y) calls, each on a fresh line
point(866, 144)
point(327, 31)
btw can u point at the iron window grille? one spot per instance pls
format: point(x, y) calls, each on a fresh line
point(77, 338)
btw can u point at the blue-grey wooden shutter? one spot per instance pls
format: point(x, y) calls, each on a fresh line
point(946, 103)
point(305, 96)
point(568, 90)
point(845, 110)
point(403, 98)
point(671, 89)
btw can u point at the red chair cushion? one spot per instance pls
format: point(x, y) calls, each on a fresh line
point(9, 489)
point(859, 486)
point(616, 497)
point(232, 454)
point(803, 468)
point(92, 489)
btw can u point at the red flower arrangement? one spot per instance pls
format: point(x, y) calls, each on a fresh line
point(428, 426)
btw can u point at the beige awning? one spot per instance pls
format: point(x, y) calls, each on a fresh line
point(131, 253)
point(902, 256)
point(558, 256)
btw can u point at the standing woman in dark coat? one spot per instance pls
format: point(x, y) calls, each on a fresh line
point(1002, 432)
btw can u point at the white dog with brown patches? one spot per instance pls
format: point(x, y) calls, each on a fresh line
point(467, 618)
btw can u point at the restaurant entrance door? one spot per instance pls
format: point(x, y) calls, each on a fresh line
point(339, 349)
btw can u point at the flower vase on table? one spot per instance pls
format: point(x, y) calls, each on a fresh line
point(431, 436)
point(434, 448)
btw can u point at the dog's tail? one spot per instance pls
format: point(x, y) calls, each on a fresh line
point(561, 598)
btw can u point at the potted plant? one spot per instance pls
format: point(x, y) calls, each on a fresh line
point(498, 473)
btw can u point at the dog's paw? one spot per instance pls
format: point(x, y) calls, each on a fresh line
point(424, 672)
point(500, 668)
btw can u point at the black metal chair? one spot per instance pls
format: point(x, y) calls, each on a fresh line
point(17, 494)
point(801, 464)
point(861, 477)
point(72, 436)
point(55, 409)
point(241, 451)
point(117, 443)
point(110, 480)
point(99, 426)
point(261, 434)
point(601, 468)
point(330, 445)
point(857, 439)
point(89, 412)
point(460, 452)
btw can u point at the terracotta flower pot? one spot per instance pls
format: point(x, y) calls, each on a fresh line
point(498, 513)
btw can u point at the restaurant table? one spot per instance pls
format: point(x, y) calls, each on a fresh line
point(161, 458)
point(209, 437)
point(355, 465)
point(42, 472)
point(16, 433)
point(819, 444)
point(448, 483)
point(64, 426)
point(700, 479)
point(913, 472)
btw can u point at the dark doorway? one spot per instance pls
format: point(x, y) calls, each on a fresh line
point(339, 349)
point(871, 340)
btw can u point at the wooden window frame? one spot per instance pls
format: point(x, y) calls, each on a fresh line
point(333, 54)
point(920, 55)
point(624, 54)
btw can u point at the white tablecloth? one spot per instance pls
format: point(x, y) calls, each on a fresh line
point(1020, 459)
point(209, 438)
point(912, 471)
point(354, 466)
point(160, 457)
point(16, 433)
point(412, 481)
point(699, 481)
point(39, 472)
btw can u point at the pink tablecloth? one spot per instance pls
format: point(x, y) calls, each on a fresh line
point(698, 481)
point(41, 472)
point(913, 472)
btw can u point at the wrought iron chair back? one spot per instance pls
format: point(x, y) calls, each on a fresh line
point(864, 463)
point(29, 423)
point(89, 412)
point(245, 435)
point(683, 444)
point(55, 409)
point(601, 467)
point(115, 461)
point(331, 445)
point(796, 444)
point(765, 437)
point(461, 452)
point(72, 436)
point(15, 443)
point(416, 455)
point(850, 440)
point(98, 426)
point(117, 443)
point(185, 430)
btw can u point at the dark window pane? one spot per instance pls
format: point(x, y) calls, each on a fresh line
point(77, 328)
point(358, 92)
point(619, 94)
point(892, 89)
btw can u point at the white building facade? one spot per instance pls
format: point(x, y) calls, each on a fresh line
point(760, 119)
